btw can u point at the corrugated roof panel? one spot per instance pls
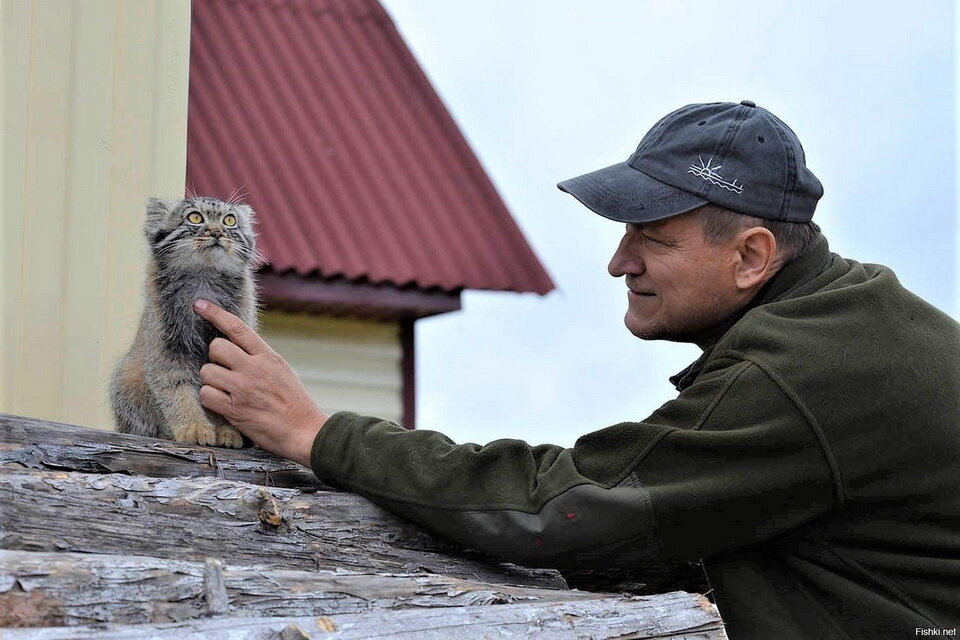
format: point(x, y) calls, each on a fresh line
point(318, 110)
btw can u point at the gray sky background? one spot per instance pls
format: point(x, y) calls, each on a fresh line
point(548, 89)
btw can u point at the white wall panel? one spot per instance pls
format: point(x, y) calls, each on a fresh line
point(94, 122)
point(344, 364)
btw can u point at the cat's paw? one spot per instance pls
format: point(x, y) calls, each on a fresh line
point(227, 436)
point(196, 433)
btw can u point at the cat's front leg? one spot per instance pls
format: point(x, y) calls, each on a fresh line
point(227, 435)
point(176, 392)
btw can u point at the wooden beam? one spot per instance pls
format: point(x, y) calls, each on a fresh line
point(193, 557)
point(67, 589)
point(52, 446)
point(670, 615)
point(195, 518)
point(38, 444)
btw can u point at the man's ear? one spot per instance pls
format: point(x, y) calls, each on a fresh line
point(758, 257)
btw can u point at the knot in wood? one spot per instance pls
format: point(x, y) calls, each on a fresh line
point(269, 511)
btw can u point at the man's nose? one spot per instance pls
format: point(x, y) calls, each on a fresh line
point(626, 259)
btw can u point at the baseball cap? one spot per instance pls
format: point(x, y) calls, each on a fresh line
point(738, 156)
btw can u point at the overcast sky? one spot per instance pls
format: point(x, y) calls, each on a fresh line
point(544, 90)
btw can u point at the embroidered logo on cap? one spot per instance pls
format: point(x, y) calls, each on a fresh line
point(709, 173)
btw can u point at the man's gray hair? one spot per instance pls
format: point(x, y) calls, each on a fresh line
point(793, 238)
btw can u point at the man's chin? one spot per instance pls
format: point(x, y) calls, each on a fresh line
point(656, 331)
point(645, 330)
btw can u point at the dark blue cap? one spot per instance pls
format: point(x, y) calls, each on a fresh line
point(738, 156)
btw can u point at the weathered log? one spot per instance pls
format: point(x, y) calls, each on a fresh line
point(67, 589)
point(671, 615)
point(194, 518)
point(37, 444)
point(42, 445)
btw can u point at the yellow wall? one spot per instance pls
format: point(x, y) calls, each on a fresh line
point(344, 364)
point(94, 113)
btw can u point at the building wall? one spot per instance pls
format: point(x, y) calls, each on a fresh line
point(344, 364)
point(94, 120)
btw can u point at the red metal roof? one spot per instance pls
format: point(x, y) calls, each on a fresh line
point(354, 166)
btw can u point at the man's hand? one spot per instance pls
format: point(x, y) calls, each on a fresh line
point(253, 387)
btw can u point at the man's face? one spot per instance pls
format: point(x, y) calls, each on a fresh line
point(679, 286)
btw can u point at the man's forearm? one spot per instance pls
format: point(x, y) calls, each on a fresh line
point(525, 504)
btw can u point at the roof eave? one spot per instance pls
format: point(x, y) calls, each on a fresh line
point(340, 297)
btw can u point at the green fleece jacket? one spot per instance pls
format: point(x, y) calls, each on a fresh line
point(811, 460)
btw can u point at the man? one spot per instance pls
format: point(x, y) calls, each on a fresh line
point(810, 458)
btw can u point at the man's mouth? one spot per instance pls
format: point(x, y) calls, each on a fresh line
point(646, 294)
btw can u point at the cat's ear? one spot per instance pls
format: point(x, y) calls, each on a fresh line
point(246, 211)
point(157, 212)
point(157, 209)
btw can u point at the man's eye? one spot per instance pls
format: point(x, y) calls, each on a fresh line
point(646, 237)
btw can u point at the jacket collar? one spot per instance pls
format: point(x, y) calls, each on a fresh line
point(788, 279)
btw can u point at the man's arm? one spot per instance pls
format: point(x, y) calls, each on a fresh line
point(731, 462)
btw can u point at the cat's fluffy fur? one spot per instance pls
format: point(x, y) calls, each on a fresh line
point(154, 388)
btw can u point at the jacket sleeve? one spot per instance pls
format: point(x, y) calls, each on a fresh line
point(731, 462)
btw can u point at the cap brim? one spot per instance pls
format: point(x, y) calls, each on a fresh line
point(625, 194)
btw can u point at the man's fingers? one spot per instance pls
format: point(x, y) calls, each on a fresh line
point(232, 327)
point(224, 352)
point(218, 377)
point(216, 400)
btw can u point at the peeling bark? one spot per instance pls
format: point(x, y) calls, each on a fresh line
point(670, 615)
point(183, 541)
point(195, 518)
point(36, 444)
point(67, 589)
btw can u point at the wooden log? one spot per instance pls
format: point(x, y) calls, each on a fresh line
point(671, 615)
point(37, 444)
point(66, 589)
point(195, 518)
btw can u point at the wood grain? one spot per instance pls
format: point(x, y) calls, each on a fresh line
point(106, 535)
point(67, 589)
point(666, 616)
point(195, 518)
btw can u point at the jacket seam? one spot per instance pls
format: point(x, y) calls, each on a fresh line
point(903, 598)
point(632, 466)
point(654, 521)
point(731, 378)
point(825, 448)
point(825, 617)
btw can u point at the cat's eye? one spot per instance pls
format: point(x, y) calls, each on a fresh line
point(195, 217)
point(229, 220)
